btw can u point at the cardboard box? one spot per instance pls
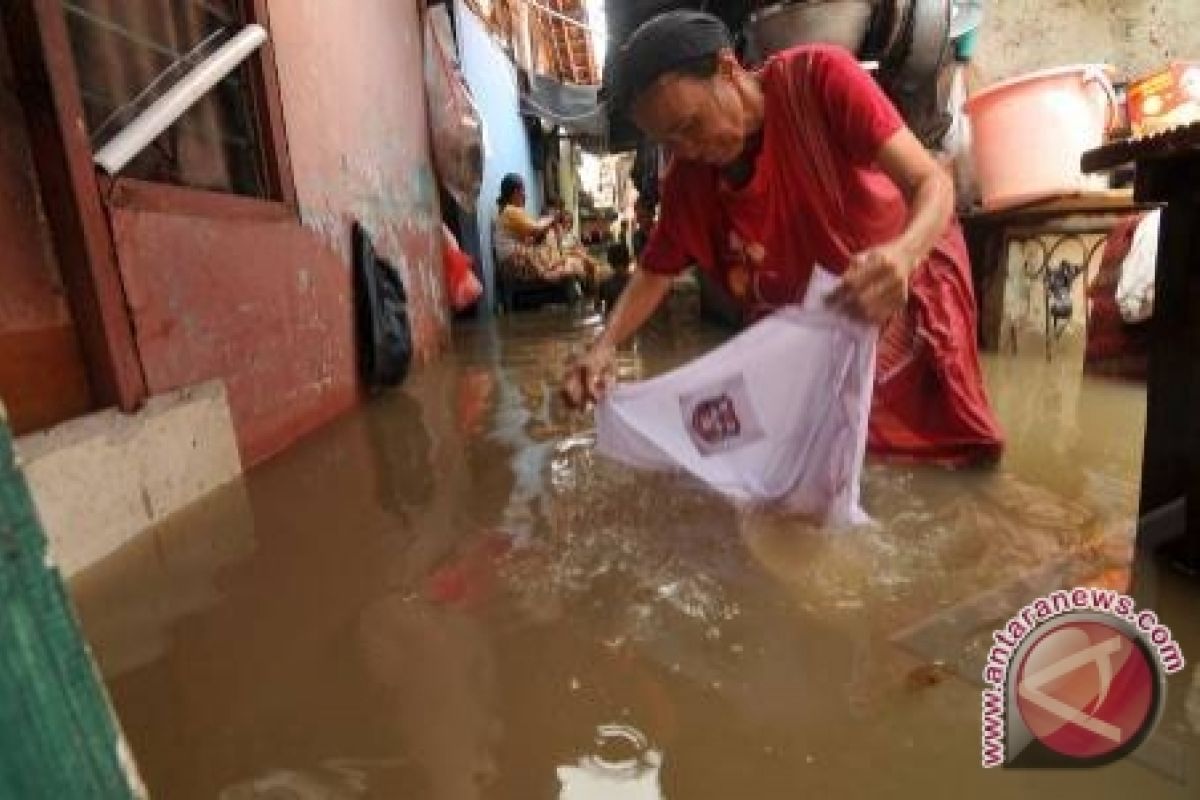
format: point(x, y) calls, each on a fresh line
point(1167, 99)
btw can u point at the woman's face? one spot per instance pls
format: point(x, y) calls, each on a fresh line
point(518, 198)
point(698, 119)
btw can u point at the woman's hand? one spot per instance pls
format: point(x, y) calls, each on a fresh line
point(589, 377)
point(875, 285)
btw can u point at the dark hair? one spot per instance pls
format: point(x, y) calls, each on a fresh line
point(682, 42)
point(509, 186)
point(618, 256)
point(703, 67)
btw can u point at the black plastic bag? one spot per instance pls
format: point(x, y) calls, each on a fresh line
point(381, 316)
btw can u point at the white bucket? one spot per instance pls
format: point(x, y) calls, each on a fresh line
point(1030, 133)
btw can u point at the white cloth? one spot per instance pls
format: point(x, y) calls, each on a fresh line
point(1135, 290)
point(777, 415)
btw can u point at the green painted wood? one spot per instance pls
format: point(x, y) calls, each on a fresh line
point(58, 736)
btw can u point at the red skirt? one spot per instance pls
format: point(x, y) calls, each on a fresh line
point(929, 403)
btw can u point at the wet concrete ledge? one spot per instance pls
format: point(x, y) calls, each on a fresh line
point(100, 480)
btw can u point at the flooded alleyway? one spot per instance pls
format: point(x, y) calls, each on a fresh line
point(447, 596)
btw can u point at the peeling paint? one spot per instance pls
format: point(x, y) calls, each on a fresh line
point(373, 164)
point(266, 307)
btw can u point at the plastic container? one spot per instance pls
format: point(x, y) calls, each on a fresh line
point(1029, 133)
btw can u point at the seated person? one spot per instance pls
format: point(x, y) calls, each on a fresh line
point(561, 232)
point(610, 290)
point(562, 239)
point(522, 244)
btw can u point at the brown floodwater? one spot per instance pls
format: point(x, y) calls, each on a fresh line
point(447, 595)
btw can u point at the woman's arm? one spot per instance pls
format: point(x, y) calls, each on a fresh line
point(926, 187)
point(542, 227)
point(875, 285)
point(524, 227)
point(869, 131)
point(641, 298)
point(589, 377)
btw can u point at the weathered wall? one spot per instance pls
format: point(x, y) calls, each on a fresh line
point(568, 177)
point(42, 379)
point(263, 306)
point(267, 305)
point(352, 84)
point(101, 479)
point(493, 82)
point(1133, 35)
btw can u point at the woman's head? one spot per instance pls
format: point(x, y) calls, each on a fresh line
point(512, 191)
point(679, 81)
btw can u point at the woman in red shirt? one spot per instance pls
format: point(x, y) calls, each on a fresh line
point(804, 163)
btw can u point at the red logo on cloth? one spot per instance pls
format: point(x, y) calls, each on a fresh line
point(716, 420)
point(720, 417)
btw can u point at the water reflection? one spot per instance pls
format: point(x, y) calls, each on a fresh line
point(435, 674)
point(449, 595)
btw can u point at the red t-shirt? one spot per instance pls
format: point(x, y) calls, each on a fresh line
point(817, 195)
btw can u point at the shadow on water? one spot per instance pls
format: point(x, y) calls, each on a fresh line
point(448, 595)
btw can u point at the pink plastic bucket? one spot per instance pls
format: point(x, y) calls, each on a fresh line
point(1029, 133)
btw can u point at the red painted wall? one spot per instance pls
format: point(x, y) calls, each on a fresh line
point(42, 379)
point(267, 306)
point(352, 85)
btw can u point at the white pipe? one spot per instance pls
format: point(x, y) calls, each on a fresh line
point(149, 125)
